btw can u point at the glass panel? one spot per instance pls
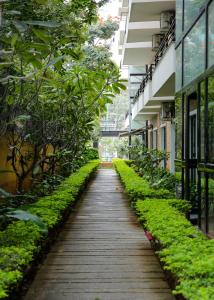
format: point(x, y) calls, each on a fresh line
point(191, 10)
point(193, 179)
point(179, 68)
point(193, 104)
point(194, 51)
point(178, 127)
point(178, 187)
point(211, 203)
point(202, 118)
point(203, 203)
point(211, 119)
point(179, 15)
point(155, 139)
point(211, 35)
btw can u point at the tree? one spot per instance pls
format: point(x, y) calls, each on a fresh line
point(50, 97)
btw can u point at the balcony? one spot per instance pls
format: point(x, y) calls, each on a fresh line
point(142, 24)
point(158, 84)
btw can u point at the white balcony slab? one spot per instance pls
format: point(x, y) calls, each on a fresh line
point(163, 80)
point(148, 10)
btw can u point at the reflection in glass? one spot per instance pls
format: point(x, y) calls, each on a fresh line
point(178, 127)
point(192, 118)
point(211, 119)
point(211, 34)
point(194, 51)
point(203, 203)
point(191, 10)
point(202, 118)
point(178, 186)
point(179, 67)
point(211, 203)
point(179, 15)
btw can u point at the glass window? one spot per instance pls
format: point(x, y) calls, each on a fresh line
point(202, 119)
point(211, 203)
point(203, 202)
point(211, 119)
point(191, 10)
point(194, 51)
point(179, 15)
point(155, 139)
point(211, 34)
point(179, 182)
point(192, 120)
point(179, 68)
point(178, 127)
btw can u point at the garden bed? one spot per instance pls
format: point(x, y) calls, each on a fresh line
point(184, 252)
point(21, 243)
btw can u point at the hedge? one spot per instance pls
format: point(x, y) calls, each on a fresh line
point(185, 251)
point(21, 241)
point(135, 186)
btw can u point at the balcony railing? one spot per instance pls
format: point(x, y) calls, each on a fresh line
point(168, 39)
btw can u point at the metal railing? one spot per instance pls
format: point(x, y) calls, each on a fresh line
point(168, 39)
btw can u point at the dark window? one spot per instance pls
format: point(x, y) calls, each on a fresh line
point(202, 120)
point(178, 127)
point(211, 120)
point(211, 34)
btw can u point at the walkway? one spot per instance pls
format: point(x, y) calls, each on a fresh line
point(101, 253)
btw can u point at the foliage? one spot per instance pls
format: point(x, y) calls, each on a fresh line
point(49, 96)
point(147, 163)
point(135, 186)
point(20, 242)
point(186, 252)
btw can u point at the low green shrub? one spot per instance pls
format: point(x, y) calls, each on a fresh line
point(185, 251)
point(135, 186)
point(21, 240)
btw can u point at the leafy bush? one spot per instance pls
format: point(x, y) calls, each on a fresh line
point(185, 251)
point(136, 186)
point(20, 242)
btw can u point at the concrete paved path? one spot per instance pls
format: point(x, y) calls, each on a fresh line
point(101, 253)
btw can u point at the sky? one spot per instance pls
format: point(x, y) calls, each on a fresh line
point(111, 9)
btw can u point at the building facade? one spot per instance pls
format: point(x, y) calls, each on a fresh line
point(148, 45)
point(195, 107)
point(172, 96)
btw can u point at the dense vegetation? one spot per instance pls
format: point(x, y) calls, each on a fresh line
point(22, 240)
point(136, 186)
point(54, 82)
point(182, 248)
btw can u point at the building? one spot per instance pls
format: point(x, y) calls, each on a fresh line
point(148, 45)
point(171, 83)
point(195, 106)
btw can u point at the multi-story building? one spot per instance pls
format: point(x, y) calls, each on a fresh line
point(195, 106)
point(148, 46)
point(175, 72)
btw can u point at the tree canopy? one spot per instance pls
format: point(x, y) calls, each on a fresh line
point(53, 86)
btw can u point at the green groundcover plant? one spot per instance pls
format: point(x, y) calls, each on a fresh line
point(185, 251)
point(136, 186)
point(21, 240)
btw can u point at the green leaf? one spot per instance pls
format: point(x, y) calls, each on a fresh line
point(48, 24)
point(20, 26)
point(41, 35)
point(4, 194)
point(55, 60)
point(26, 216)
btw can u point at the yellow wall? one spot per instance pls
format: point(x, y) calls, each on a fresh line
point(8, 179)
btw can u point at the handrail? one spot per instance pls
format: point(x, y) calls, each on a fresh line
point(168, 39)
